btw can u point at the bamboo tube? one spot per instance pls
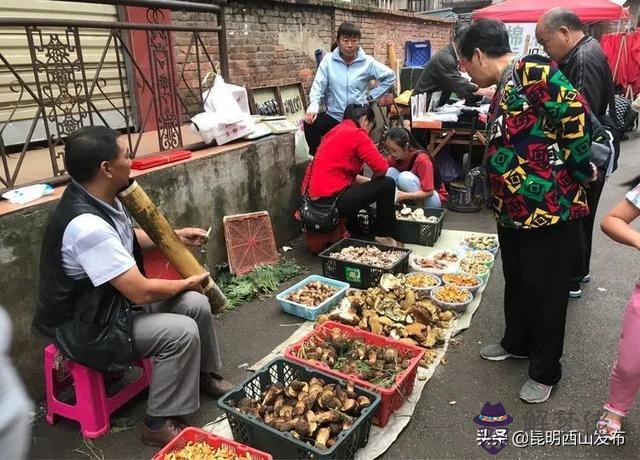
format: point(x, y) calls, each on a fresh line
point(162, 234)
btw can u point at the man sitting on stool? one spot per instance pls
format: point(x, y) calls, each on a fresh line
point(98, 306)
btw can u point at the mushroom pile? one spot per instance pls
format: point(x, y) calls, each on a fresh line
point(416, 215)
point(393, 310)
point(353, 356)
point(313, 411)
point(312, 294)
point(368, 255)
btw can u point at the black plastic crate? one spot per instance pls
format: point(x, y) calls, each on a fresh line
point(252, 432)
point(422, 233)
point(366, 219)
point(359, 275)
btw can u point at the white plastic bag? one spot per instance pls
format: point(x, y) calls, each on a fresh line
point(209, 127)
point(220, 101)
point(26, 194)
point(204, 124)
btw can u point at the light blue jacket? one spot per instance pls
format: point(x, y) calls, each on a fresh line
point(339, 84)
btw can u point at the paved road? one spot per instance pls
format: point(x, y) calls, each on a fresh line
point(439, 428)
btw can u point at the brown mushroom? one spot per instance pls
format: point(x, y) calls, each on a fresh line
point(322, 437)
point(269, 397)
point(316, 381)
point(349, 405)
point(335, 428)
point(282, 424)
point(350, 389)
point(390, 355)
point(300, 408)
point(286, 411)
point(328, 417)
point(291, 392)
point(310, 400)
point(331, 442)
point(346, 424)
point(270, 419)
point(278, 404)
point(302, 395)
point(324, 398)
point(315, 388)
point(299, 386)
point(363, 402)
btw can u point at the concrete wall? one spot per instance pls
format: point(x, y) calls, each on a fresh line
point(260, 176)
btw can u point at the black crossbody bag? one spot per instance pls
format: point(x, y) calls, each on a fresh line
point(320, 216)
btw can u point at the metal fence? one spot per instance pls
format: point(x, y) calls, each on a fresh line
point(67, 93)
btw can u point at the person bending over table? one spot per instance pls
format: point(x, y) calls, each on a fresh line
point(411, 169)
point(442, 73)
point(343, 78)
point(96, 304)
point(334, 174)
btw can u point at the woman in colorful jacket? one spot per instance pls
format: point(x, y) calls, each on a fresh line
point(343, 78)
point(538, 165)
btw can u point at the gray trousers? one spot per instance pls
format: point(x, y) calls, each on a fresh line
point(180, 337)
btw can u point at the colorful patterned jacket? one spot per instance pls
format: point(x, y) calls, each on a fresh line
point(538, 147)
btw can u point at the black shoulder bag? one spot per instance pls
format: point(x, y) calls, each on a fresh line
point(320, 216)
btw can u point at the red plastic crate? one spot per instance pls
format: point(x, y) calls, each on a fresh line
point(250, 241)
point(198, 435)
point(392, 398)
point(160, 159)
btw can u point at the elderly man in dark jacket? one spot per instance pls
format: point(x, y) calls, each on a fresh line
point(583, 62)
point(442, 74)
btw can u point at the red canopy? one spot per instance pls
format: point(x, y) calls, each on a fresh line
point(531, 10)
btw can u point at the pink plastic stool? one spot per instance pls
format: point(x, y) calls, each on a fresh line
point(93, 407)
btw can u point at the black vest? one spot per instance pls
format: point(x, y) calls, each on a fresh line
point(90, 325)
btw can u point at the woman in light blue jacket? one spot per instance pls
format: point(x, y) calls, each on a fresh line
point(343, 78)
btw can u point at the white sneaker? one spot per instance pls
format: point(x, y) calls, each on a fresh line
point(586, 279)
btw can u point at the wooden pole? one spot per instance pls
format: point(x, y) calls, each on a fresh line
point(393, 63)
point(162, 234)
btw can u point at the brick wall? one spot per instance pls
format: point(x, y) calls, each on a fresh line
point(273, 43)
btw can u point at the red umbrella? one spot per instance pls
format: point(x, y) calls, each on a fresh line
point(530, 11)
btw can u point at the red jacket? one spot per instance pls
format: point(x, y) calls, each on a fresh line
point(340, 158)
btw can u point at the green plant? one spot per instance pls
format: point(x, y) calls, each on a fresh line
point(262, 281)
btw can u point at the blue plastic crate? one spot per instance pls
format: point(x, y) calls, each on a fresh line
point(417, 54)
point(311, 313)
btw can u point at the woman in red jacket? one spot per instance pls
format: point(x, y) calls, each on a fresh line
point(335, 171)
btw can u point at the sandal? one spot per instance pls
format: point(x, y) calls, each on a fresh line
point(608, 427)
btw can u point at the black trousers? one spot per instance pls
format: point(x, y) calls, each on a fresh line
point(314, 132)
point(379, 190)
point(537, 272)
point(582, 255)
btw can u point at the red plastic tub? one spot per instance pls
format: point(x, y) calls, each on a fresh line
point(393, 397)
point(197, 435)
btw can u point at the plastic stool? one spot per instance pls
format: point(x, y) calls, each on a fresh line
point(318, 242)
point(93, 407)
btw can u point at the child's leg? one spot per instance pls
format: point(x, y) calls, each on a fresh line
point(625, 376)
point(433, 201)
point(393, 173)
point(408, 182)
